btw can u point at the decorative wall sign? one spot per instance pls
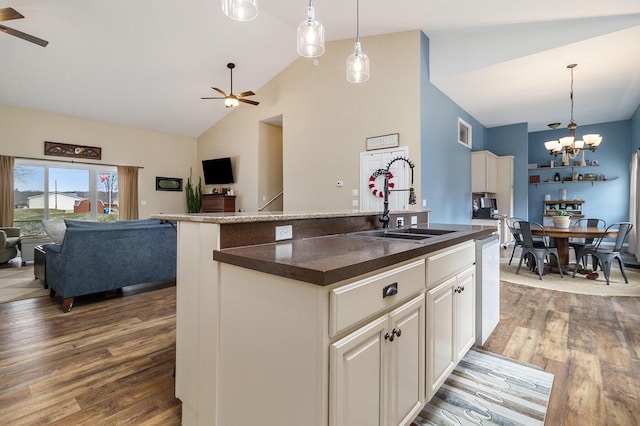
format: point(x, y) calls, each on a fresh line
point(464, 133)
point(68, 150)
point(168, 184)
point(384, 141)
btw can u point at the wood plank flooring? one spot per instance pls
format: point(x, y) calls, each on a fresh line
point(110, 360)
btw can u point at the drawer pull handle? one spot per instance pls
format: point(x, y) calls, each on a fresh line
point(390, 290)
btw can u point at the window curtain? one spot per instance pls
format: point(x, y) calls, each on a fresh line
point(128, 192)
point(6, 190)
point(634, 205)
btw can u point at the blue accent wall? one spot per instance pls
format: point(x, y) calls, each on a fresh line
point(446, 164)
point(608, 200)
point(514, 140)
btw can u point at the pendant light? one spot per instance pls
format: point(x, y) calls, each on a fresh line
point(357, 62)
point(240, 10)
point(310, 35)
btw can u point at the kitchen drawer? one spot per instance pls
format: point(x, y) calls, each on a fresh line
point(448, 262)
point(354, 302)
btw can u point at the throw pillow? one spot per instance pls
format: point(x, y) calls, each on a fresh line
point(55, 229)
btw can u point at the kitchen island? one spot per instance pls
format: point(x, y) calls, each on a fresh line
point(324, 328)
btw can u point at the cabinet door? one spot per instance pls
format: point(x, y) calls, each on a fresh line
point(407, 362)
point(492, 173)
point(478, 172)
point(440, 339)
point(465, 315)
point(357, 376)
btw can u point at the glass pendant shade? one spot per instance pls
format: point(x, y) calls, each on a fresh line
point(310, 36)
point(592, 139)
point(357, 66)
point(551, 145)
point(240, 10)
point(566, 141)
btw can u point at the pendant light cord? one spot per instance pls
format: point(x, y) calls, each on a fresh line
point(357, 20)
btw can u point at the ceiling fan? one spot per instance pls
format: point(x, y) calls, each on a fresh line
point(231, 100)
point(9, 13)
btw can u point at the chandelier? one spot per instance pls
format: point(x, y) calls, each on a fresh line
point(568, 146)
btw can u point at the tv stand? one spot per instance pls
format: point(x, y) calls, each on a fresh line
point(215, 203)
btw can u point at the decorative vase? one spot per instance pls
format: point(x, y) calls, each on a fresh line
point(561, 221)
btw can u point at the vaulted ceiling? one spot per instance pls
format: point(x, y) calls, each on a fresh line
point(146, 63)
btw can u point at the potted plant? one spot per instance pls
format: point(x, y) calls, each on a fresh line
point(562, 219)
point(194, 195)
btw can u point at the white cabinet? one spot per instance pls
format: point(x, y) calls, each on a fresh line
point(377, 372)
point(450, 311)
point(484, 172)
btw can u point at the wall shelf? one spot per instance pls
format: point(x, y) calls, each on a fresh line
point(549, 179)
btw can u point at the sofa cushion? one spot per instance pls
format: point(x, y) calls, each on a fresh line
point(55, 229)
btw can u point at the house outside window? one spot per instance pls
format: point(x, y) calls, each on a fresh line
point(47, 189)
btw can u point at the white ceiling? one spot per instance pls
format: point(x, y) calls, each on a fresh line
point(146, 63)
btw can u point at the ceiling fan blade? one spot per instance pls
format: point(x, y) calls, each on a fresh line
point(247, 93)
point(9, 13)
point(24, 36)
point(248, 101)
point(220, 91)
point(211, 98)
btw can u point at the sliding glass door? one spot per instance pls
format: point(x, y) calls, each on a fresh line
point(45, 190)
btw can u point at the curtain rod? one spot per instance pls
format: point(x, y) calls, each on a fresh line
point(75, 162)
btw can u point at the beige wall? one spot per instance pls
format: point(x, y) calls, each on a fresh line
point(24, 132)
point(326, 121)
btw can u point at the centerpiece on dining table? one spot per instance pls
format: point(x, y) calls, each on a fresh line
point(562, 219)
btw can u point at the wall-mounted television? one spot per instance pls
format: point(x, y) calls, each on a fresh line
point(217, 171)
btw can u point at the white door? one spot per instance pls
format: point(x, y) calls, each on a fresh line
point(371, 161)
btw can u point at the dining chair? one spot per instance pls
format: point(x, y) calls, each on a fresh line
point(517, 238)
point(604, 254)
point(580, 243)
point(538, 249)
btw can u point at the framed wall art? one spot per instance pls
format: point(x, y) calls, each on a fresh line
point(464, 133)
point(70, 150)
point(168, 184)
point(384, 141)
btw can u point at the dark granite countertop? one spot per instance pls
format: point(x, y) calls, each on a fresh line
point(329, 259)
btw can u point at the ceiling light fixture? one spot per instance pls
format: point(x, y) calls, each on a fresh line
point(240, 10)
point(357, 62)
point(568, 146)
point(310, 35)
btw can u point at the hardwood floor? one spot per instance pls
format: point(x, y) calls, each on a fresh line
point(110, 361)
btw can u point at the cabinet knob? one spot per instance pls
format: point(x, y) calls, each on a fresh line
point(389, 337)
point(397, 332)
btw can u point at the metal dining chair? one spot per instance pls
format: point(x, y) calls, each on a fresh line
point(604, 254)
point(580, 243)
point(539, 250)
point(517, 238)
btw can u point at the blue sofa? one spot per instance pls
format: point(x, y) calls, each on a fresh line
point(96, 257)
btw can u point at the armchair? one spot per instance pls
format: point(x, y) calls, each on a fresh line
point(9, 238)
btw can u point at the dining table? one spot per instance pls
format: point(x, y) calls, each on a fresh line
point(560, 238)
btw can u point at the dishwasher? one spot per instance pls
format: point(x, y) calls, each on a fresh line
point(487, 287)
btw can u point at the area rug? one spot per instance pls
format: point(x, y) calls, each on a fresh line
point(490, 390)
point(19, 283)
point(580, 284)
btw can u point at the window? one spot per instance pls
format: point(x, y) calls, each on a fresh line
point(45, 189)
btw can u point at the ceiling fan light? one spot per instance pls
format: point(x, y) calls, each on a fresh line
point(240, 10)
point(231, 102)
point(310, 36)
point(357, 66)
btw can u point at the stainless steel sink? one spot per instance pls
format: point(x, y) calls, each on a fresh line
point(410, 234)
